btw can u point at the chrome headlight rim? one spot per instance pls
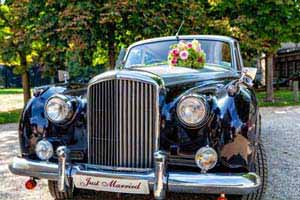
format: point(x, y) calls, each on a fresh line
point(201, 152)
point(68, 102)
point(38, 150)
point(199, 124)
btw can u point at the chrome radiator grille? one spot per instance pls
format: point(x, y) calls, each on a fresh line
point(122, 121)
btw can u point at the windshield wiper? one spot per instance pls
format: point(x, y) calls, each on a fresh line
point(147, 65)
point(136, 65)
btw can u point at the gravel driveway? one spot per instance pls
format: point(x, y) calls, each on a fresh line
point(281, 136)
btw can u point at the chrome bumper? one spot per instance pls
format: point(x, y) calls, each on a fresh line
point(159, 179)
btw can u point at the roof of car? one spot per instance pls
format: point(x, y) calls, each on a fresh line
point(186, 37)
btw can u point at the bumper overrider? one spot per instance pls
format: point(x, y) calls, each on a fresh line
point(159, 180)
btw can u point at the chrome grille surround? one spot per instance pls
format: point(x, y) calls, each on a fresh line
point(126, 136)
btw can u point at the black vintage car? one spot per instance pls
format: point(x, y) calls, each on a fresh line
point(146, 127)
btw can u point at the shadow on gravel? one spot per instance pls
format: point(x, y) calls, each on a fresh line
point(90, 195)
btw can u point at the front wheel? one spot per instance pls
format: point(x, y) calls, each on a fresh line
point(260, 169)
point(56, 194)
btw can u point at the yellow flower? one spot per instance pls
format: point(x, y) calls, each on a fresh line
point(195, 44)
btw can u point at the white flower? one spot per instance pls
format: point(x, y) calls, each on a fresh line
point(181, 45)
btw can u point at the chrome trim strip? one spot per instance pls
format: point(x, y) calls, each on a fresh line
point(187, 182)
point(126, 169)
point(126, 75)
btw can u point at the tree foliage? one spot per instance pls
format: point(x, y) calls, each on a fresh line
point(80, 35)
point(17, 47)
point(261, 25)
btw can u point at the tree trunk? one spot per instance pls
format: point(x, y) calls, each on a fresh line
point(26, 86)
point(25, 78)
point(111, 52)
point(269, 78)
point(296, 90)
point(111, 46)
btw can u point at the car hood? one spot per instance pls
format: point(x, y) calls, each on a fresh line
point(182, 75)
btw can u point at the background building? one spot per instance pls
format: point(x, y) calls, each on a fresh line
point(287, 62)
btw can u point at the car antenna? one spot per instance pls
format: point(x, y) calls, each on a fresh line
point(180, 27)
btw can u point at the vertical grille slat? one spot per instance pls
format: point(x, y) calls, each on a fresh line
point(106, 128)
point(129, 94)
point(137, 111)
point(125, 132)
point(150, 142)
point(110, 130)
point(96, 125)
point(117, 122)
point(142, 118)
point(146, 126)
point(121, 123)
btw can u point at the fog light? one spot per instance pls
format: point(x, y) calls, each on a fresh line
point(44, 150)
point(222, 197)
point(206, 158)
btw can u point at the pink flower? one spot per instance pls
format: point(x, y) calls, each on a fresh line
point(184, 55)
point(175, 52)
point(174, 61)
point(189, 45)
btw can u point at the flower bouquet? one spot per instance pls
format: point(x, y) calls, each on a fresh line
point(187, 54)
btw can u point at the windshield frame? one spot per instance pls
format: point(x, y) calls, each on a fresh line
point(156, 40)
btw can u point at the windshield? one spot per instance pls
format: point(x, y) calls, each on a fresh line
point(150, 54)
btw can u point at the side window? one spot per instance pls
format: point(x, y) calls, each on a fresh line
point(226, 57)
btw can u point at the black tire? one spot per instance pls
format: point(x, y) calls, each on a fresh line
point(56, 194)
point(261, 169)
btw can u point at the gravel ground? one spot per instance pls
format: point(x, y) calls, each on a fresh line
point(281, 136)
point(11, 102)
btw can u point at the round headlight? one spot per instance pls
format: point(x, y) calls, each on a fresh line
point(192, 110)
point(59, 109)
point(206, 158)
point(44, 150)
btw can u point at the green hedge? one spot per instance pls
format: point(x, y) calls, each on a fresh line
point(10, 117)
point(11, 91)
point(281, 98)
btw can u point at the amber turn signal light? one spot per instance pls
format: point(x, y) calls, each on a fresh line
point(30, 184)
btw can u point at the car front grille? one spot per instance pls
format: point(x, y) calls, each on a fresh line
point(122, 122)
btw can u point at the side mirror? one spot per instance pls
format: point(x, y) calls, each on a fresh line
point(248, 76)
point(120, 59)
point(250, 72)
point(63, 76)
